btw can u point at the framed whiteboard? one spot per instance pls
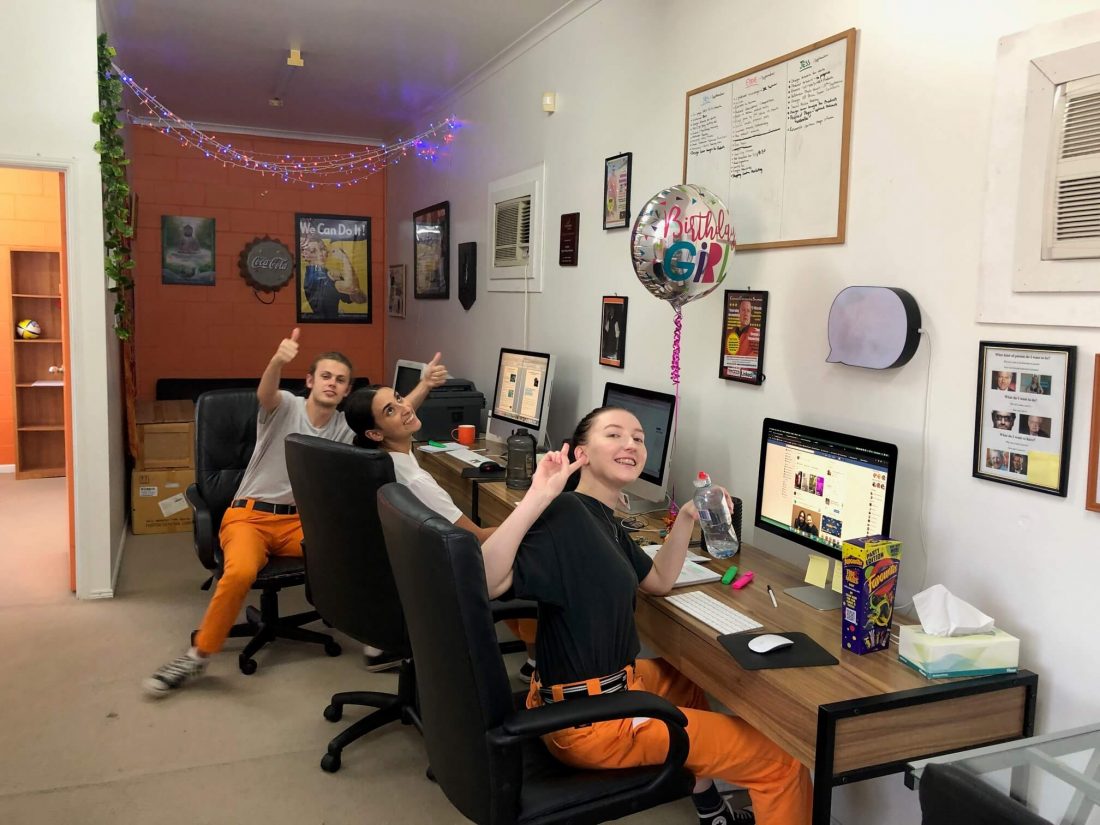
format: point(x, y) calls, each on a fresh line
point(772, 142)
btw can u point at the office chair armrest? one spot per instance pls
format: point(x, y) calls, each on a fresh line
point(206, 541)
point(513, 609)
point(626, 704)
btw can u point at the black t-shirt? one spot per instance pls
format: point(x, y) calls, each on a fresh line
point(580, 565)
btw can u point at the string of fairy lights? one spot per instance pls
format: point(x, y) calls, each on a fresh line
point(335, 170)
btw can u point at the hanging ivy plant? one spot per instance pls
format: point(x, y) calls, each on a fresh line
point(117, 230)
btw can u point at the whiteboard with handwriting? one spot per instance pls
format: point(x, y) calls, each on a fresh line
point(772, 143)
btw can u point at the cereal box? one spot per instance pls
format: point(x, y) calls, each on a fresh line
point(870, 581)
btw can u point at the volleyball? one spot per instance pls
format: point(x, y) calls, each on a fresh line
point(27, 329)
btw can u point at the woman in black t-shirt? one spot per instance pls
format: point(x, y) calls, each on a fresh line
point(569, 553)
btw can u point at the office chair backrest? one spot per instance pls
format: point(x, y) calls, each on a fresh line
point(225, 435)
point(463, 686)
point(348, 575)
point(950, 795)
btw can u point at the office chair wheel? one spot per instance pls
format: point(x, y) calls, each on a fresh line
point(247, 666)
point(334, 713)
point(330, 762)
point(332, 648)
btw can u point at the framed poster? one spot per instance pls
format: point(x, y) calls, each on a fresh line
point(569, 238)
point(1092, 494)
point(616, 191)
point(1024, 415)
point(395, 291)
point(186, 250)
point(333, 255)
point(744, 317)
point(613, 331)
point(431, 251)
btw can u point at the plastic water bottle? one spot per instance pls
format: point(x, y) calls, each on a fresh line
point(715, 519)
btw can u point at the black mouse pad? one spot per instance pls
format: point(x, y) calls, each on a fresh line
point(805, 652)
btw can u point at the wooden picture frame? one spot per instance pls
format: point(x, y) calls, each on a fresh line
point(613, 331)
point(616, 190)
point(767, 142)
point(744, 324)
point(432, 251)
point(333, 257)
point(1092, 492)
point(1024, 416)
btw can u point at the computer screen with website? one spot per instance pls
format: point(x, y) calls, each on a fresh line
point(818, 488)
point(521, 394)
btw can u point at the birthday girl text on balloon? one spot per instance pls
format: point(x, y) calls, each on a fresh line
point(703, 251)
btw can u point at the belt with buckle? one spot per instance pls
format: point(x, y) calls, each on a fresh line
point(608, 684)
point(266, 507)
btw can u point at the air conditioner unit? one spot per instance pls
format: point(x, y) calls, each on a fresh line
point(1071, 214)
point(512, 232)
point(515, 232)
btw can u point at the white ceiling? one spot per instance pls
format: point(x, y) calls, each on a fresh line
point(372, 67)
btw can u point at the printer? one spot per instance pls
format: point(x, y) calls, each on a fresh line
point(456, 402)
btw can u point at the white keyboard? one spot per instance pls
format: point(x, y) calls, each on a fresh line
point(709, 610)
point(468, 456)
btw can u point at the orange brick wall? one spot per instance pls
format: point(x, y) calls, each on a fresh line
point(30, 215)
point(223, 330)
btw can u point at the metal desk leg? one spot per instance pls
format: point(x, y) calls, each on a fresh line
point(823, 768)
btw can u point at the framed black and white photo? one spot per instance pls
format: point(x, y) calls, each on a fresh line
point(431, 251)
point(613, 331)
point(616, 191)
point(395, 291)
point(744, 319)
point(1024, 415)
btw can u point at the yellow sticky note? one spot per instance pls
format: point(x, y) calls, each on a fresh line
point(818, 571)
point(1042, 469)
point(838, 577)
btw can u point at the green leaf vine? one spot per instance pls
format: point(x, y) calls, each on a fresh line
point(117, 230)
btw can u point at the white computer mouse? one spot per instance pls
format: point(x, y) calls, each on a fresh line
point(769, 642)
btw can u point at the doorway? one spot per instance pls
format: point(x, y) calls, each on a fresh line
point(36, 490)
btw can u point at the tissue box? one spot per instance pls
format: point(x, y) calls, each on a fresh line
point(979, 654)
point(870, 581)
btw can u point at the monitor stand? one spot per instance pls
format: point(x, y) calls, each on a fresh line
point(816, 597)
point(635, 504)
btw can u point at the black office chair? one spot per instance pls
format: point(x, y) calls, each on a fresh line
point(225, 434)
point(348, 573)
point(950, 795)
point(487, 756)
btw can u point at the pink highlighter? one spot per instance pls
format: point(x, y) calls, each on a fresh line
point(742, 580)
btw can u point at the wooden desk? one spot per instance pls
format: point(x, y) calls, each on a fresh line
point(448, 472)
point(866, 717)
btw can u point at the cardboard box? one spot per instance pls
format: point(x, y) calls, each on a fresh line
point(166, 434)
point(157, 503)
point(870, 580)
point(978, 654)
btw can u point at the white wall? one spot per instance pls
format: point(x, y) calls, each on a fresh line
point(919, 151)
point(49, 60)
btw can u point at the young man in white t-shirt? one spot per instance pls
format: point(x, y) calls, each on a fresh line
point(262, 520)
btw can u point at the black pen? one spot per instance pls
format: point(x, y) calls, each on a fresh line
point(772, 594)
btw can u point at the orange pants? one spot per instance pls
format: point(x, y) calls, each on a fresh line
point(524, 629)
point(720, 746)
point(247, 537)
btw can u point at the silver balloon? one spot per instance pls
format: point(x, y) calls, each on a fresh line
point(682, 244)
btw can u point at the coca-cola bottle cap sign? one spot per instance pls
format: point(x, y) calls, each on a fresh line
point(266, 264)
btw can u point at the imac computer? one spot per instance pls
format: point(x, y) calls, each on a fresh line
point(406, 375)
point(818, 488)
point(655, 411)
point(521, 396)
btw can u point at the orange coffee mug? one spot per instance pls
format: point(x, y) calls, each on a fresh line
point(465, 434)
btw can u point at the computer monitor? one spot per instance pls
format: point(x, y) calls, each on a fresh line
point(818, 488)
point(521, 396)
point(406, 375)
point(655, 411)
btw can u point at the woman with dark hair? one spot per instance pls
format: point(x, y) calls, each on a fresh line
point(567, 551)
point(381, 418)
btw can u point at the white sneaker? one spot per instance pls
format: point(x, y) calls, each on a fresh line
point(174, 674)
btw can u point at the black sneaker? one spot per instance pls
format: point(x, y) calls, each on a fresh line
point(383, 661)
point(526, 671)
point(173, 675)
point(727, 816)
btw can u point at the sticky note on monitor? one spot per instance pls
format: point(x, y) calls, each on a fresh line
point(817, 573)
point(838, 577)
